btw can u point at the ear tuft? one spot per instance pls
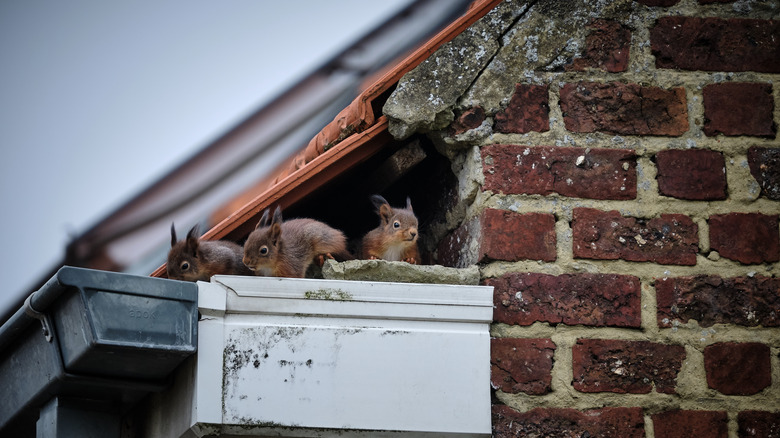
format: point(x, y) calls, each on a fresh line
point(378, 201)
point(277, 219)
point(192, 240)
point(263, 219)
point(173, 235)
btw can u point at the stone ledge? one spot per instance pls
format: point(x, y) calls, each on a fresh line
point(400, 272)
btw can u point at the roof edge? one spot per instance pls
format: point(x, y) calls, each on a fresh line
point(354, 135)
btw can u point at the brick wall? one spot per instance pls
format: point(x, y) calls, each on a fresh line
point(626, 213)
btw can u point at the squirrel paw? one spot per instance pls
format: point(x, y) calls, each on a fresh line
point(411, 260)
point(321, 258)
point(373, 258)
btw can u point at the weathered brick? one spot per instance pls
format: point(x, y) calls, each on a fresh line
point(748, 238)
point(575, 172)
point(557, 422)
point(687, 424)
point(606, 235)
point(709, 299)
point(759, 424)
point(693, 174)
point(634, 367)
point(606, 47)
point(528, 110)
point(500, 235)
point(468, 119)
point(714, 44)
point(513, 236)
point(739, 109)
point(521, 365)
point(522, 298)
point(738, 368)
point(628, 109)
point(765, 167)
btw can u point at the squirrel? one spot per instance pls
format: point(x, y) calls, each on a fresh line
point(195, 260)
point(287, 249)
point(395, 238)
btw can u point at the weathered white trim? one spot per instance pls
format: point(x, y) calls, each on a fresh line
point(306, 358)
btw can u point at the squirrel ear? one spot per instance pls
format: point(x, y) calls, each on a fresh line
point(382, 208)
point(173, 235)
point(277, 219)
point(378, 201)
point(385, 213)
point(276, 233)
point(409, 204)
point(192, 240)
point(263, 219)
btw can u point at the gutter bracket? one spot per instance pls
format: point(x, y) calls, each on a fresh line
point(42, 317)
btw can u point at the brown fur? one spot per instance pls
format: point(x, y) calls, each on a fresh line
point(395, 238)
point(197, 260)
point(287, 249)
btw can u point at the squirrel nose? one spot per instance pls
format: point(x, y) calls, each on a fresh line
point(413, 232)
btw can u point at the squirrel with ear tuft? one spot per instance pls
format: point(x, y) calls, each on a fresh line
point(197, 260)
point(287, 248)
point(395, 238)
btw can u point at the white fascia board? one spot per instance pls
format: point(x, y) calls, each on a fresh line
point(303, 357)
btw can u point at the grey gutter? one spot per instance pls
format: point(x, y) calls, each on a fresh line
point(89, 345)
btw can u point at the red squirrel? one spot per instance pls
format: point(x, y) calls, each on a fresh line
point(395, 238)
point(287, 249)
point(196, 260)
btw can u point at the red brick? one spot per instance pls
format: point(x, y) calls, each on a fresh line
point(521, 365)
point(575, 172)
point(513, 236)
point(709, 299)
point(528, 111)
point(714, 44)
point(606, 47)
point(557, 422)
point(739, 109)
point(604, 300)
point(628, 109)
point(761, 424)
point(469, 119)
point(501, 235)
point(738, 368)
point(765, 167)
point(634, 367)
point(671, 239)
point(748, 238)
point(688, 424)
point(694, 174)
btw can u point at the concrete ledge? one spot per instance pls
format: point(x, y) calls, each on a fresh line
point(398, 272)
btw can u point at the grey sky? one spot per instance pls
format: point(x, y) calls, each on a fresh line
point(100, 98)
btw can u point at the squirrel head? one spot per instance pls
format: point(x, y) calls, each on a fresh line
point(264, 244)
point(184, 257)
point(399, 224)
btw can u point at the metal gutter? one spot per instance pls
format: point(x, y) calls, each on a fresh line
point(92, 336)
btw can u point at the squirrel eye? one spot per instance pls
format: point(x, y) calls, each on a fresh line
point(264, 250)
point(185, 266)
point(396, 224)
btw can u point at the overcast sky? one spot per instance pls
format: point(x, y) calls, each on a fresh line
point(98, 99)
